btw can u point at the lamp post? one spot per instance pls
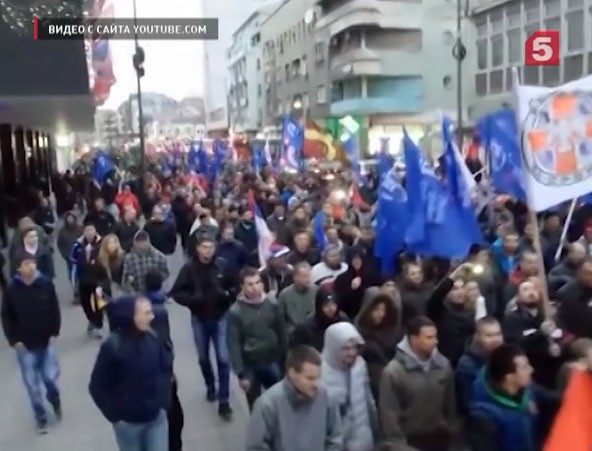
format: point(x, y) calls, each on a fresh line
point(138, 62)
point(459, 52)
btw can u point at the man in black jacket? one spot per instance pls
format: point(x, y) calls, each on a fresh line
point(31, 320)
point(206, 289)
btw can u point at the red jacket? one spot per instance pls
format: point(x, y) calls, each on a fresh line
point(122, 199)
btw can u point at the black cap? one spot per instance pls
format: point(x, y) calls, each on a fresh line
point(141, 235)
point(324, 296)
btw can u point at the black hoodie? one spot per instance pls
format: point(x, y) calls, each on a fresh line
point(312, 331)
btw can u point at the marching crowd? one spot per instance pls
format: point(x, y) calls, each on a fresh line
point(331, 353)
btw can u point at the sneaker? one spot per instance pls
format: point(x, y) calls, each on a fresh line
point(98, 334)
point(211, 395)
point(225, 411)
point(42, 427)
point(57, 410)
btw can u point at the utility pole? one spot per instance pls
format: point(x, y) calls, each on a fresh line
point(459, 52)
point(138, 61)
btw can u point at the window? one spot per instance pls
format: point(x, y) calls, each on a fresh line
point(319, 52)
point(481, 24)
point(321, 94)
point(497, 50)
point(529, 30)
point(513, 18)
point(390, 39)
point(531, 75)
point(553, 24)
point(589, 71)
point(482, 54)
point(514, 46)
point(287, 72)
point(509, 79)
point(575, 30)
point(259, 90)
point(303, 67)
point(258, 64)
point(575, 4)
point(551, 76)
point(496, 81)
point(573, 67)
point(496, 20)
point(552, 7)
point(481, 84)
point(532, 11)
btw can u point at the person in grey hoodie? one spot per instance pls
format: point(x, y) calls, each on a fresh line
point(345, 376)
point(297, 301)
point(296, 414)
point(417, 404)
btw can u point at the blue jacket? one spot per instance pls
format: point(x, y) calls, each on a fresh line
point(467, 370)
point(80, 266)
point(160, 323)
point(509, 424)
point(131, 378)
point(234, 254)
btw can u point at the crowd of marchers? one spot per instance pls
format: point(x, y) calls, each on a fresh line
point(331, 353)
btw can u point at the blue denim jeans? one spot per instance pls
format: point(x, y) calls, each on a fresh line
point(40, 366)
point(205, 332)
point(151, 436)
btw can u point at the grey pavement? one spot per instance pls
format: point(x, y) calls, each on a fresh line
point(83, 428)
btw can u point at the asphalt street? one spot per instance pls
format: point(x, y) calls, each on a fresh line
point(83, 428)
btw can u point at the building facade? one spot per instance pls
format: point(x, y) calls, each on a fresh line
point(245, 80)
point(231, 14)
point(503, 27)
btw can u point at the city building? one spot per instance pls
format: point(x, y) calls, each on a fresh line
point(154, 106)
point(231, 14)
point(109, 129)
point(502, 28)
point(294, 80)
point(391, 64)
point(245, 80)
point(45, 97)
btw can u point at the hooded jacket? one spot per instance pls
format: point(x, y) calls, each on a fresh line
point(349, 388)
point(498, 422)
point(417, 400)
point(131, 378)
point(43, 257)
point(163, 235)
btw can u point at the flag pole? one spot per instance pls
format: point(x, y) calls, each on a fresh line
point(531, 213)
point(570, 213)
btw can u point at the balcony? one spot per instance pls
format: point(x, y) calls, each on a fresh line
point(371, 50)
point(378, 95)
point(384, 14)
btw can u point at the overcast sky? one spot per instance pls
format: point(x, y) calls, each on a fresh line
point(172, 67)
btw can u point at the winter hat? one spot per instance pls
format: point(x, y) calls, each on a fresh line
point(324, 296)
point(278, 250)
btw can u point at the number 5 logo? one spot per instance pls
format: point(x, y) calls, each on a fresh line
point(542, 48)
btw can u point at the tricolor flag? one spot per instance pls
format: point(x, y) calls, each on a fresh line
point(264, 236)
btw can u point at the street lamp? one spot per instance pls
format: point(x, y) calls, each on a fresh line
point(138, 62)
point(459, 52)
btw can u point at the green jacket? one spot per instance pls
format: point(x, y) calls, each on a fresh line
point(255, 334)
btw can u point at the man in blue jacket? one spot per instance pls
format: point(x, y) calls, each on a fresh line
point(131, 379)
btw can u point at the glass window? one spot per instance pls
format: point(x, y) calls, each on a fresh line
point(532, 11)
point(551, 76)
point(482, 54)
point(514, 46)
point(575, 30)
point(553, 24)
point(574, 4)
point(496, 81)
point(481, 24)
point(573, 67)
point(531, 75)
point(497, 50)
point(496, 20)
point(321, 94)
point(552, 7)
point(481, 84)
point(529, 30)
point(513, 18)
point(509, 79)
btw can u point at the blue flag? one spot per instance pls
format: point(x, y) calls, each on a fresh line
point(318, 225)
point(435, 229)
point(352, 152)
point(220, 151)
point(293, 141)
point(101, 168)
point(193, 157)
point(392, 220)
point(458, 187)
point(385, 159)
point(499, 136)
